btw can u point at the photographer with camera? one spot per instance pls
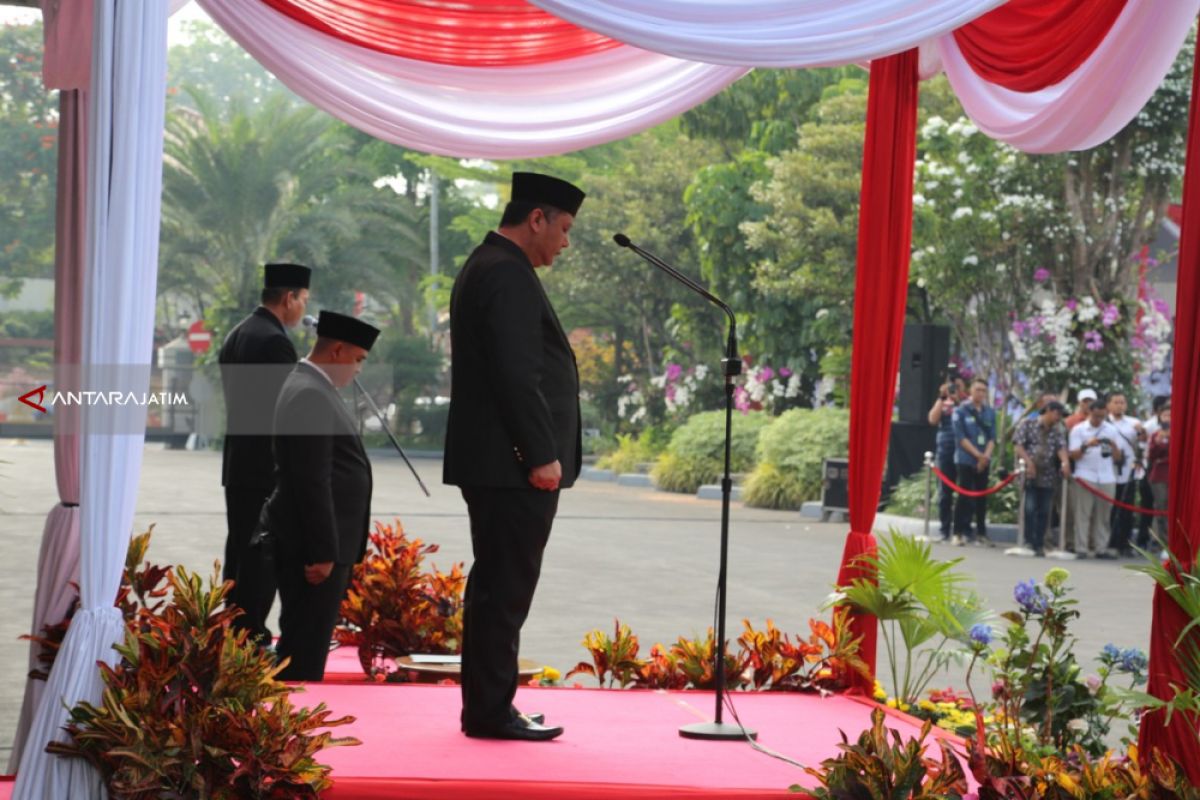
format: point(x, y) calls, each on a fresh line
point(1129, 473)
point(1097, 449)
point(950, 395)
point(975, 440)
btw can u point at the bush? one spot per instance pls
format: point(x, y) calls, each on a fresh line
point(790, 454)
point(908, 498)
point(194, 710)
point(631, 452)
point(696, 454)
point(393, 608)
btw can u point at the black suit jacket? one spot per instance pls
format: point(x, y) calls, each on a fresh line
point(255, 360)
point(514, 392)
point(320, 509)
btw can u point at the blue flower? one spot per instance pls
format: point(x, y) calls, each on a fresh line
point(981, 634)
point(1111, 654)
point(1029, 598)
point(1133, 660)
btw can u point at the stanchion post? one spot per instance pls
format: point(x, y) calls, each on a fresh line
point(1062, 553)
point(1020, 550)
point(928, 490)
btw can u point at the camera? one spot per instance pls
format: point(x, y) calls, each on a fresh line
point(1106, 449)
point(952, 373)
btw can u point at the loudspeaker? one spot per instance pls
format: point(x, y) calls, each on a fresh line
point(923, 358)
point(906, 451)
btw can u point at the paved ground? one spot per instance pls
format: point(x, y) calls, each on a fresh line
point(646, 557)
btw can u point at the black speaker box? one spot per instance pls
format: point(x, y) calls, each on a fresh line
point(906, 451)
point(924, 355)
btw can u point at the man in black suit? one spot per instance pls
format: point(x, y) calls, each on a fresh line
point(255, 359)
point(512, 438)
point(318, 515)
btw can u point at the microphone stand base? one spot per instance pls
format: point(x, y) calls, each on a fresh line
point(718, 731)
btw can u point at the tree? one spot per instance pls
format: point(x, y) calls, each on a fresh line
point(244, 187)
point(598, 286)
point(212, 65)
point(28, 159)
point(999, 234)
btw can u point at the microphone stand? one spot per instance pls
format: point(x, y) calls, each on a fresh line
point(311, 323)
point(731, 367)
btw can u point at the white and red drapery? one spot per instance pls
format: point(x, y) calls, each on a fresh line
point(510, 79)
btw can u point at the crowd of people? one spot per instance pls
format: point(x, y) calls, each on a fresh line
point(1108, 462)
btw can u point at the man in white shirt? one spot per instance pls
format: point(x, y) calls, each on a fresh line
point(1094, 447)
point(1128, 471)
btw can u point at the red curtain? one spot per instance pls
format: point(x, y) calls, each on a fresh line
point(1027, 45)
point(1179, 738)
point(880, 295)
point(469, 33)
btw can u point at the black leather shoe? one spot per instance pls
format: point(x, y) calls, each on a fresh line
point(517, 729)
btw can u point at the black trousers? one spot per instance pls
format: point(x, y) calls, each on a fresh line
point(1144, 521)
point(946, 494)
point(251, 569)
point(967, 507)
point(509, 531)
point(307, 616)
point(1121, 519)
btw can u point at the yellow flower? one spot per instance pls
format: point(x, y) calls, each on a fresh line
point(905, 707)
point(880, 693)
point(891, 703)
point(550, 674)
point(927, 705)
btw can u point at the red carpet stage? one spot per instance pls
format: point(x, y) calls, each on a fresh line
point(618, 744)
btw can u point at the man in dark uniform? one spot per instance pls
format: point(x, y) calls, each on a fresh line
point(255, 359)
point(317, 516)
point(512, 438)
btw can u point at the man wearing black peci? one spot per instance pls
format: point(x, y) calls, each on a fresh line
point(318, 515)
point(512, 439)
point(255, 359)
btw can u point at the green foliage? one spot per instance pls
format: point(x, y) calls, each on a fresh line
point(393, 608)
point(908, 498)
point(881, 765)
point(28, 162)
point(634, 450)
point(790, 453)
point(194, 710)
point(696, 454)
point(243, 185)
point(922, 608)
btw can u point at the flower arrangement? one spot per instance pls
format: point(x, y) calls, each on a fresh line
point(766, 660)
point(680, 391)
point(1090, 341)
point(394, 608)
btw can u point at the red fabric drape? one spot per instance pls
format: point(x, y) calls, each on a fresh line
point(1027, 45)
point(468, 33)
point(1183, 507)
point(880, 293)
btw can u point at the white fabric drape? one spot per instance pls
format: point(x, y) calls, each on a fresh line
point(124, 184)
point(771, 33)
point(1097, 100)
point(511, 112)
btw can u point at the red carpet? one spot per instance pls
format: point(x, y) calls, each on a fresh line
point(618, 744)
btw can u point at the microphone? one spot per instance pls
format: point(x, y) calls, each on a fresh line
point(624, 241)
point(309, 321)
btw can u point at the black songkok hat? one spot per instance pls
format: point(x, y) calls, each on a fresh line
point(286, 276)
point(532, 187)
point(332, 325)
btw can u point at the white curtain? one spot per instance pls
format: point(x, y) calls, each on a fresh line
point(510, 112)
point(771, 33)
point(124, 184)
point(1097, 100)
